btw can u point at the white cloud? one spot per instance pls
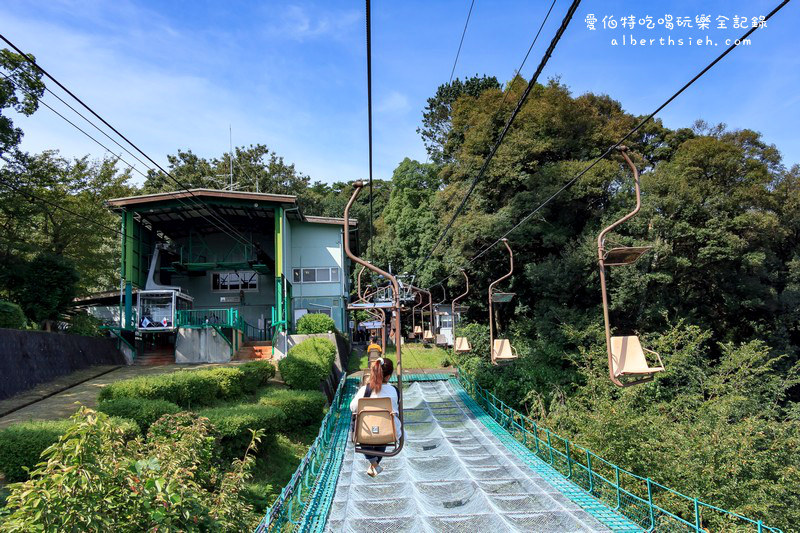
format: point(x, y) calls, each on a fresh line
point(298, 24)
point(393, 102)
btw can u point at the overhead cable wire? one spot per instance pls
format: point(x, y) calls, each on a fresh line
point(461, 43)
point(562, 28)
point(118, 157)
point(132, 167)
point(369, 122)
point(231, 231)
point(605, 154)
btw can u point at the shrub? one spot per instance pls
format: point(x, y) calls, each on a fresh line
point(21, 445)
point(11, 316)
point(142, 411)
point(312, 323)
point(233, 424)
point(256, 374)
point(93, 480)
point(302, 407)
point(84, 324)
point(191, 388)
point(308, 363)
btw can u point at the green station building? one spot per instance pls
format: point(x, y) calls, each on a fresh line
point(206, 271)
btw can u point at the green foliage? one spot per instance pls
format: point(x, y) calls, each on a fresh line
point(312, 323)
point(22, 444)
point(144, 412)
point(256, 374)
point(192, 388)
point(308, 363)
point(233, 424)
point(48, 284)
point(28, 228)
point(93, 480)
point(19, 91)
point(84, 324)
point(303, 408)
point(11, 316)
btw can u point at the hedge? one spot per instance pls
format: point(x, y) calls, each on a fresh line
point(233, 424)
point(302, 407)
point(21, 445)
point(312, 323)
point(141, 410)
point(11, 316)
point(308, 363)
point(194, 388)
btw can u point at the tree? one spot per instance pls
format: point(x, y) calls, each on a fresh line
point(46, 287)
point(19, 91)
point(437, 115)
point(255, 168)
point(30, 223)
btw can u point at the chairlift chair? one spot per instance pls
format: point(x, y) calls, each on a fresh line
point(627, 359)
point(502, 351)
point(374, 423)
point(374, 420)
point(460, 344)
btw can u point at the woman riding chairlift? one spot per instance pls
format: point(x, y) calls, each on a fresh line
point(627, 363)
point(502, 351)
point(377, 416)
point(460, 344)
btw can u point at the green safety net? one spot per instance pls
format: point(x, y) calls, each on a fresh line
point(471, 463)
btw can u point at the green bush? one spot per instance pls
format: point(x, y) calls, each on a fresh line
point(315, 323)
point(21, 445)
point(93, 479)
point(11, 316)
point(302, 407)
point(142, 411)
point(233, 424)
point(192, 388)
point(256, 374)
point(84, 324)
point(308, 363)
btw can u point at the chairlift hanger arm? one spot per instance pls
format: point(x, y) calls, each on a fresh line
point(491, 289)
point(602, 237)
point(357, 186)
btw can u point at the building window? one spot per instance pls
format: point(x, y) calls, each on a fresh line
point(243, 280)
point(315, 275)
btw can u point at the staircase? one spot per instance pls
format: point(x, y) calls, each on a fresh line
point(156, 357)
point(251, 350)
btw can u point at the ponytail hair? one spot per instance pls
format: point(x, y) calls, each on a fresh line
point(380, 370)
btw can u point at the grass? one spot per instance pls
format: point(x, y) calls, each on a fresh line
point(415, 355)
point(276, 462)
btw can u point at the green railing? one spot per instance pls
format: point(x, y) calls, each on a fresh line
point(651, 505)
point(193, 318)
point(289, 509)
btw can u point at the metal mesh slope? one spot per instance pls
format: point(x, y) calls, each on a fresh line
point(454, 475)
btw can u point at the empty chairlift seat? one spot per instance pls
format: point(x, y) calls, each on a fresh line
point(427, 336)
point(374, 422)
point(462, 345)
point(417, 330)
point(503, 351)
point(628, 359)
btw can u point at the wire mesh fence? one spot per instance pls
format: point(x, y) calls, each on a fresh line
point(649, 504)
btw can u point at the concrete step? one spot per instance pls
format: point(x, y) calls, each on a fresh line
point(254, 352)
point(257, 343)
point(161, 357)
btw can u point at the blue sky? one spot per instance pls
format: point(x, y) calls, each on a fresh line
point(291, 75)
